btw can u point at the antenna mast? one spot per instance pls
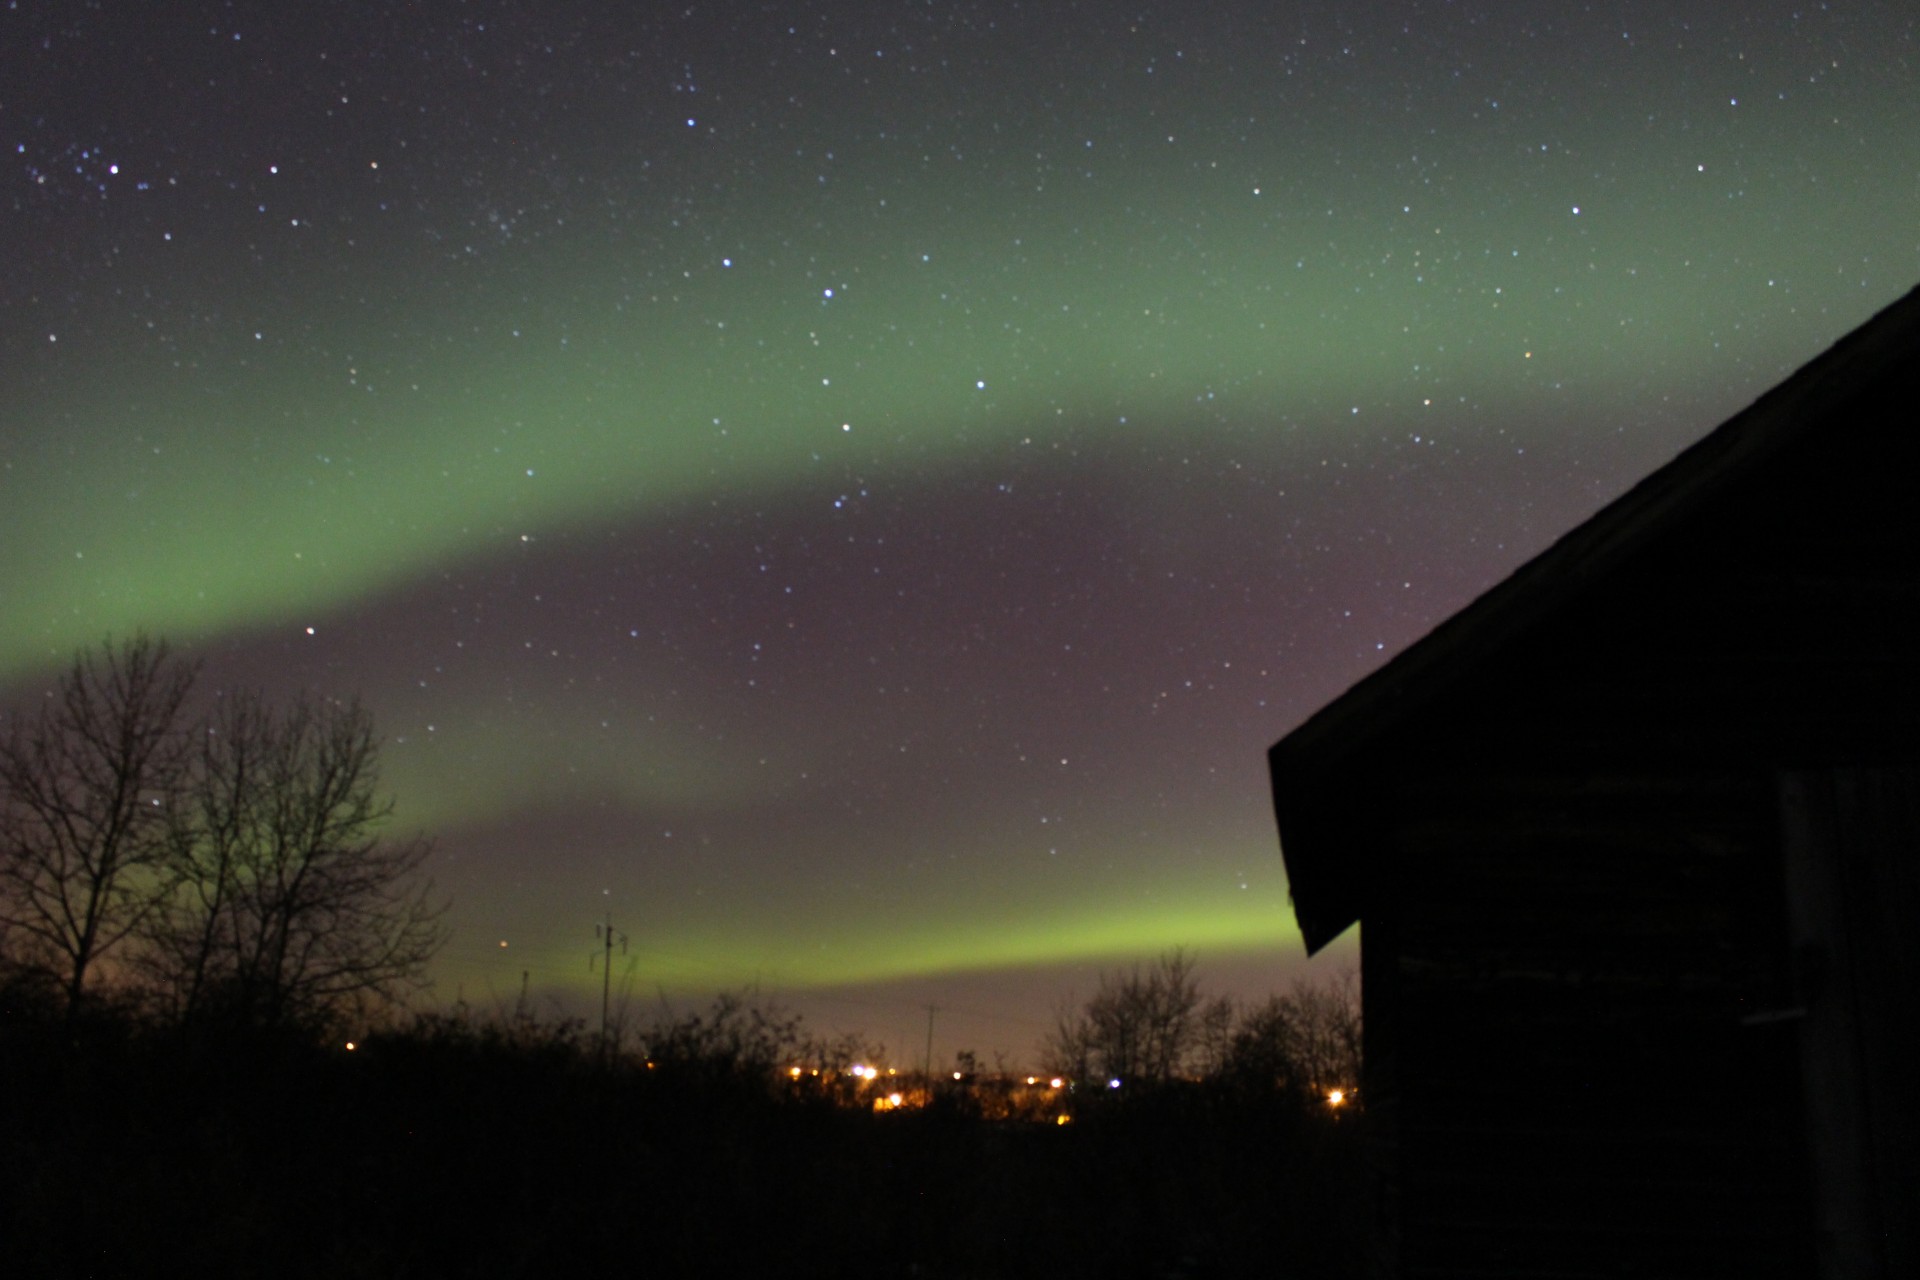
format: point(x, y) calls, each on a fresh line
point(606, 933)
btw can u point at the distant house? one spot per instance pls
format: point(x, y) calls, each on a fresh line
point(1634, 841)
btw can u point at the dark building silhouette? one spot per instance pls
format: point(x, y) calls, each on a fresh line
point(1635, 843)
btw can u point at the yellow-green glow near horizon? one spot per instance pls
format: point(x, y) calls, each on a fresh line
point(800, 961)
point(852, 495)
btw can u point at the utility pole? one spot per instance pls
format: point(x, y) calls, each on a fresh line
point(606, 934)
point(926, 1068)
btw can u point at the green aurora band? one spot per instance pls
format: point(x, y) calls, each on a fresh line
point(265, 482)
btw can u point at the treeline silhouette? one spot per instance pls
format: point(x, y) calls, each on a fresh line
point(453, 1144)
point(228, 865)
point(198, 905)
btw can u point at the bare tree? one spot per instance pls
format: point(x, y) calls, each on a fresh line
point(1307, 1040)
point(1068, 1049)
point(741, 1038)
point(211, 835)
point(287, 903)
point(1261, 1054)
point(1214, 1035)
point(1137, 1025)
point(85, 791)
point(1326, 1032)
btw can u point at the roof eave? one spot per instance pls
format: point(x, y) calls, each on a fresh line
point(1313, 765)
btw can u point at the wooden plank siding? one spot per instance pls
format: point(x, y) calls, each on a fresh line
point(1578, 1088)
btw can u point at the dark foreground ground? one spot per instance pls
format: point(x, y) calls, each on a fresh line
point(134, 1152)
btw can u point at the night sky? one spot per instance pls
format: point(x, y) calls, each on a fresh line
point(852, 490)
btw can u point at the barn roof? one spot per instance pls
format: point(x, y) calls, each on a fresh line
point(1321, 757)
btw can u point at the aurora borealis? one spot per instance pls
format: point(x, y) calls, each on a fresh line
point(852, 490)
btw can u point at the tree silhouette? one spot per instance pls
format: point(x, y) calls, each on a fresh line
point(1306, 1041)
point(84, 792)
point(1137, 1025)
point(287, 905)
point(1155, 1025)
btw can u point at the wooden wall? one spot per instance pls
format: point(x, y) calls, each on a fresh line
point(1585, 1077)
point(1588, 1037)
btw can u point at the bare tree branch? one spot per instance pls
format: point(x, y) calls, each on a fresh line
point(1137, 1026)
point(86, 787)
point(289, 904)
